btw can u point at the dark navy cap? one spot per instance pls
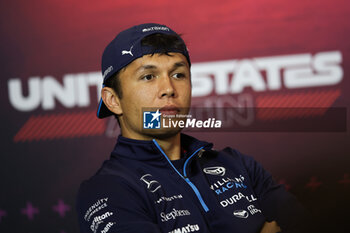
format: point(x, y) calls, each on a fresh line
point(125, 48)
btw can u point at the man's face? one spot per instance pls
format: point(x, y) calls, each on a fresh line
point(160, 82)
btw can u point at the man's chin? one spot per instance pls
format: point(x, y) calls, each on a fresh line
point(162, 133)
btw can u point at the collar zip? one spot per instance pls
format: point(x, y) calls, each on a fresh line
point(200, 153)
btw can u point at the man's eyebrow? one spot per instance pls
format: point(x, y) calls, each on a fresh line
point(150, 67)
point(179, 64)
point(146, 67)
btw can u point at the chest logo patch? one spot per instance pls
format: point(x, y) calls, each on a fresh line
point(218, 171)
point(152, 185)
point(241, 213)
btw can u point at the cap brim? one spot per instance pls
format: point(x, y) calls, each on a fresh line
point(103, 111)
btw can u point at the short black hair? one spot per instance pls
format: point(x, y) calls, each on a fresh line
point(160, 43)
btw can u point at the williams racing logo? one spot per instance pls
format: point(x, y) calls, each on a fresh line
point(218, 171)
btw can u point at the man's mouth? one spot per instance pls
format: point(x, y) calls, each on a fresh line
point(169, 110)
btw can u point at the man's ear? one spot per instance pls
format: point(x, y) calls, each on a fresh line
point(111, 100)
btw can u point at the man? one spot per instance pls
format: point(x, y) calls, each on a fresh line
point(159, 180)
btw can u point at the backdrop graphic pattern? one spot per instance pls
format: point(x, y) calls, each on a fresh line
point(48, 150)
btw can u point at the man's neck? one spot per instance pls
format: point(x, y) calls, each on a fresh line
point(171, 146)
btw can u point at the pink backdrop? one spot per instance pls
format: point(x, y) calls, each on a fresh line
point(53, 141)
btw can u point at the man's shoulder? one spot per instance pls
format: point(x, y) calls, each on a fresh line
point(101, 184)
point(106, 184)
point(229, 158)
point(110, 174)
point(228, 153)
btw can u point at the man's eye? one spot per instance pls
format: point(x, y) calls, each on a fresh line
point(147, 77)
point(179, 75)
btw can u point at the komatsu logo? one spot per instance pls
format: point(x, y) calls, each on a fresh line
point(186, 229)
point(219, 78)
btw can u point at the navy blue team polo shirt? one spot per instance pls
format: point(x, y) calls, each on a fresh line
point(140, 190)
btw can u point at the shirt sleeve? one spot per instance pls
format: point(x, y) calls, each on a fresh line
point(108, 205)
point(276, 202)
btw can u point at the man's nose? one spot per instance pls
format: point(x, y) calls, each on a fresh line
point(167, 88)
